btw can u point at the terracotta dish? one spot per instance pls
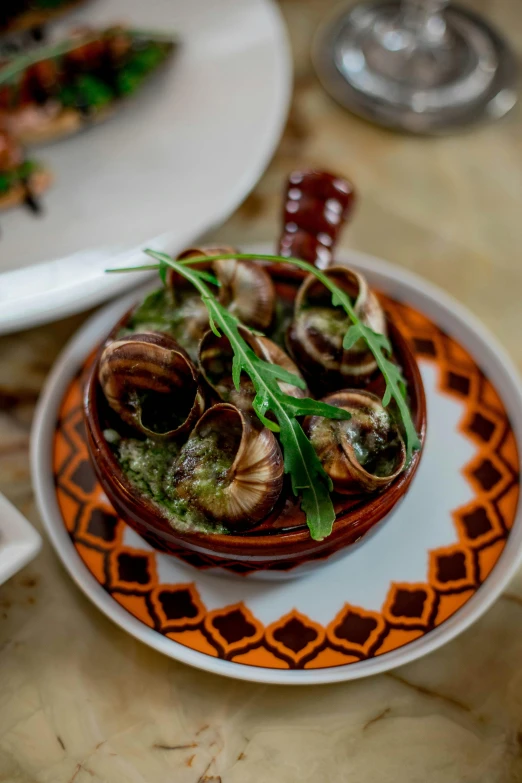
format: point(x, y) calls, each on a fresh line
point(273, 536)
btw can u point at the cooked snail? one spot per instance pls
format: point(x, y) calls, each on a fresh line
point(364, 453)
point(215, 362)
point(192, 315)
point(245, 289)
point(229, 470)
point(315, 336)
point(151, 383)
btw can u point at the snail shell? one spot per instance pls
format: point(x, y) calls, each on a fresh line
point(315, 336)
point(364, 453)
point(245, 289)
point(150, 382)
point(187, 300)
point(215, 363)
point(229, 470)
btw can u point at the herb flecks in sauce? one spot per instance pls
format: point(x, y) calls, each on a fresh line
point(148, 466)
point(332, 322)
point(203, 467)
point(159, 313)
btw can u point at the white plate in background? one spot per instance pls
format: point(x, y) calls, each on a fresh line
point(174, 160)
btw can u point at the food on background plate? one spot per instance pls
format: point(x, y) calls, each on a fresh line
point(18, 15)
point(22, 180)
point(57, 89)
point(240, 369)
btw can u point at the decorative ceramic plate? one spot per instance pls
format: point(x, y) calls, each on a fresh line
point(426, 574)
point(173, 161)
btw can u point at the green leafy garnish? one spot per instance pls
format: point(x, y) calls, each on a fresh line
point(148, 50)
point(86, 90)
point(301, 462)
point(9, 179)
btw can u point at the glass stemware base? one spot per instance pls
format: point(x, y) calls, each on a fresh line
point(422, 73)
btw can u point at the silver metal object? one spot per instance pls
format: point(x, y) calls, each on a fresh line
point(416, 65)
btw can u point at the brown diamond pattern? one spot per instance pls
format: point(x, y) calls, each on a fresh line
point(178, 607)
point(355, 630)
point(458, 383)
point(487, 475)
point(84, 478)
point(409, 604)
point(452, 569)
point(295, 636)
point(478, 523)
point(233, 627)
point(132, 569)
point(481, 426)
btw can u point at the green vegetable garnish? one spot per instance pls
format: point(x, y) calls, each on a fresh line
point(9, 179)
point(86, 90)
point(147, 51)
point(307, 474)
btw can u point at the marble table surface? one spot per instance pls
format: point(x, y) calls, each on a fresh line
point(81, 701)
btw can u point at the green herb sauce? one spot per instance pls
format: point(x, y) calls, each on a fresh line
point(159, 313)
point(148, 466)
point(330, 321)
point(205, 461)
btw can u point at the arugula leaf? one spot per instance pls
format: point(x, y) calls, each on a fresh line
point(307, 475)
point(304, 466)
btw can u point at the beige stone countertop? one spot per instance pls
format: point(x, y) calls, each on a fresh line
point(81, 701)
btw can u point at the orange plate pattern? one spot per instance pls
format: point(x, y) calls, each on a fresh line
point(294, 641)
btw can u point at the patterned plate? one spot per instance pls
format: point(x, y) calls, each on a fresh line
point(427, 573)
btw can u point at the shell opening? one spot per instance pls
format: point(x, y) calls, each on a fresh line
point(315, 336)
point(150, 382)
point(363, 453)
point(161, 413)
point(376, 445)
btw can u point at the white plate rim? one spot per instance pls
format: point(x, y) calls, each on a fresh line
point(57, 303)
point(420, 293)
